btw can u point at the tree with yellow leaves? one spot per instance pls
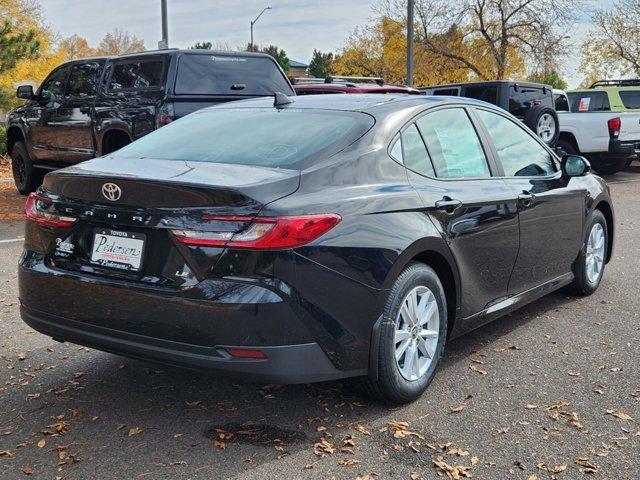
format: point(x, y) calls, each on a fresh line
point(380, 50)
point(25, 18)
point(613, 48)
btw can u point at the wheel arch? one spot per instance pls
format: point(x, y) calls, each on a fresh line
point(14, 135)
point(571, 138)
point(605, 208)
point(113, 139)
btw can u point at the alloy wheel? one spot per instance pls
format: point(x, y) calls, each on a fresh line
point(416, 333)
point(546, 128)
point(594, 257)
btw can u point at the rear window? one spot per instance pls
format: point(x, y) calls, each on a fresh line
point(521, 99)
point(485, 93)
point(589, 101)
point(248, 136)
point(630, 98)
point(229, 75)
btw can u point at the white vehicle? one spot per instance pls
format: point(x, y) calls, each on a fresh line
point(610, 140)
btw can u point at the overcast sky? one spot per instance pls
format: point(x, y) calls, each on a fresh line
point(297, 26)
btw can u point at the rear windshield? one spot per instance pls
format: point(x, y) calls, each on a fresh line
point(229, 75)
point(630, 98)
point(589, 101)
point(247, 136)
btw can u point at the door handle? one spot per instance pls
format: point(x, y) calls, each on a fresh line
point(448, 205)
point(526, 199)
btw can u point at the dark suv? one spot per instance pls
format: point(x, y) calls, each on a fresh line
point(531, 103)
point(92, 107)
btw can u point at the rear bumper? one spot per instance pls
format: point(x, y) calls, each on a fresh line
point(190, 326)
point(620, 149)
point(290, 364)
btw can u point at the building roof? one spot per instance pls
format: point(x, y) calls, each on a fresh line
point(296, 64)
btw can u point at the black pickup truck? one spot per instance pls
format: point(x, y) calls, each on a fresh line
point(92, 107)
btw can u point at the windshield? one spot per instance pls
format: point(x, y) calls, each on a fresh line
point(229, 75)
point(248, 136)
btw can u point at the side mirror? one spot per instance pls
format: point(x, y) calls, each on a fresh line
point(575, 166)
point(25, 92)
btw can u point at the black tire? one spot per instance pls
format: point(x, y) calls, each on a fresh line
point(390, 386)
point(582, 285)
point(567, 146)
point(26, 177)
point(607, 168)
point(532, 117)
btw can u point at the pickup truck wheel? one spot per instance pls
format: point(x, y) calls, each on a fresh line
point(543, 121)
point(607, 168)
point(26, 177)
point(567, 146)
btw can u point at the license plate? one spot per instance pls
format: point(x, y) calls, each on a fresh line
point(115, 249)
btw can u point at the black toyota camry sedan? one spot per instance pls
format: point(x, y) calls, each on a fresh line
point(329, 237)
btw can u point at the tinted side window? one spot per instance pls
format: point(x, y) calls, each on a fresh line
point(561, 103)
point(520, 154)
point(414, 152)
point(631, 98)
point(83, 81)
point(522, 99)
point(56, 82)
point(453, 144)
point(487, 94)
point(450, 92)
point(589, 102)
point(150, 74)
point(124, 76)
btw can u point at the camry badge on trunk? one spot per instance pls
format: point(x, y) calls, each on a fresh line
point(111, 191)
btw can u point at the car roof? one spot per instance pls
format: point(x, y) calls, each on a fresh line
point(365, 102)
point(487, 83)
point(170, 51)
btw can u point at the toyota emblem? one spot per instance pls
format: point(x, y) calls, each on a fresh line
point(111, 191)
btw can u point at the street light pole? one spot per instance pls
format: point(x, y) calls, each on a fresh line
point(253, 23)
point(164, 43)
point(410, 43)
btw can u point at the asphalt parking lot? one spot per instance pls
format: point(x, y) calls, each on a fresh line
point(551, 391)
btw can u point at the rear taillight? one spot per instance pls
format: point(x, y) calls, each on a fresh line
point(39, 209)
point(263, 232)
point(614, 124)
point(165, 115)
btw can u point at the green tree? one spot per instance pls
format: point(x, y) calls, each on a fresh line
point(321, 64)
point(550, 77)
point(280, 56)
point(15, 46)
point(202, 46)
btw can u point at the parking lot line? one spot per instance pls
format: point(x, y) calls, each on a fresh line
point(12, 240)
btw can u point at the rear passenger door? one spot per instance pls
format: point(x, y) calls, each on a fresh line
point(550, 207)
point(134, 88)
point(74, 118)
point(475, 212)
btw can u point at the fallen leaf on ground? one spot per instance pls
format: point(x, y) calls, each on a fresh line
point(134, 431)
point(477, 369)
point(456, 408)
point(42, 443)
point(620, 415)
